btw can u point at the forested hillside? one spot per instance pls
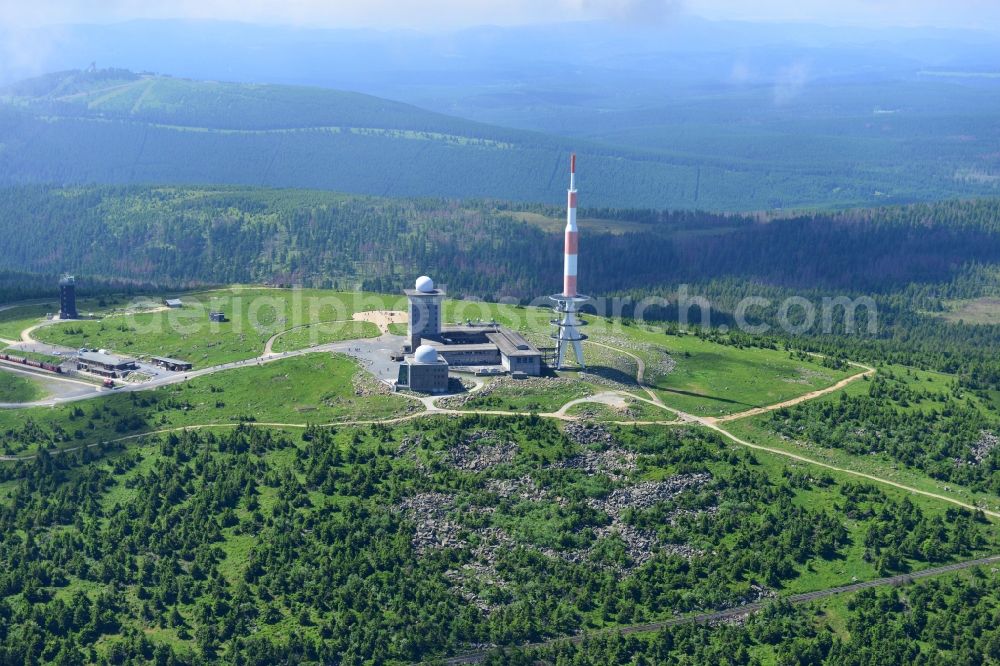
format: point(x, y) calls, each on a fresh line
point(180, 236)
point(247, 546)
point(116, 126)
point(950, 621)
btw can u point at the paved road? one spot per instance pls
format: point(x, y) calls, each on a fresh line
point(373, 353)
point(740, 611)
point(269, 345)
point(57, 386)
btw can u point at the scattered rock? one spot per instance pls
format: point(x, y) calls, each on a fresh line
point(410, 443)
point(645, 495)
point(433, 528)
point(523, 488)
point(982, 448)
point(482, 450)
point(614, 463)
point(588, 433)
point(366, 386)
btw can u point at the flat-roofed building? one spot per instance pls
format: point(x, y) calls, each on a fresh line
point(471, 346)
point(516, 353)
point(424, 371)
point(172, 364)
point(104, 364)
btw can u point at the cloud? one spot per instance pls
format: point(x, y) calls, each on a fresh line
point(632, 11)
point(462, 13)
point(741, 72)
point(342, 13)
point(979, 14)
point(339, 13)
point(790, 81)
point(25, 50)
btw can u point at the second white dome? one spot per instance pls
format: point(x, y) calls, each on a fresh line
point(425, 354)
point(425, 284)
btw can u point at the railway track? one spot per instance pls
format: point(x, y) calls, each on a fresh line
point(739, 611)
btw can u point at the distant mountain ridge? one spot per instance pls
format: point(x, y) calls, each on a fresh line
point(126, 95)
point(115, 126)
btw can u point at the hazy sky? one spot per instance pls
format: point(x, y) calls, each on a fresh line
point(457, 13)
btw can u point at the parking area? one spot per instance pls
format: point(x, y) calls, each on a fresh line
point(374, 355)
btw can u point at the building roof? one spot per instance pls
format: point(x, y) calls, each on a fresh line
point(174, 301)
point(104, 359)
point(167, 359)
point(479, 328)
point(512, 343)
point(482, 337)
point(417, 293)
point(444, 347)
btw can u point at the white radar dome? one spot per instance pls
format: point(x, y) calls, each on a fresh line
point(425, 354)
point(425, 284)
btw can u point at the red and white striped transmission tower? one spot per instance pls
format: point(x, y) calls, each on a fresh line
point(567, 304)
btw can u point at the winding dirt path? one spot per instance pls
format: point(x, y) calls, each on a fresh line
point(871, 477)
point(613, 397)
point(713, 423)
point(437, 411)
point(640, 372)
point(26, 333)
point(431, 409)
point(269, 345)
point(812, 395)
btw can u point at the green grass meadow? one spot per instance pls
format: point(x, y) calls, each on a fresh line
point(311, 389)
point(253, 316)
point(321, 333)
point(18, 388)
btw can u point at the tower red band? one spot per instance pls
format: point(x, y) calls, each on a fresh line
point(567, 334)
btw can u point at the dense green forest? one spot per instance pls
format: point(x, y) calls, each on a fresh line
point(18, 285)
point(487, 249)
point(949, 621)
point(115, 126)
point(392, 545)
